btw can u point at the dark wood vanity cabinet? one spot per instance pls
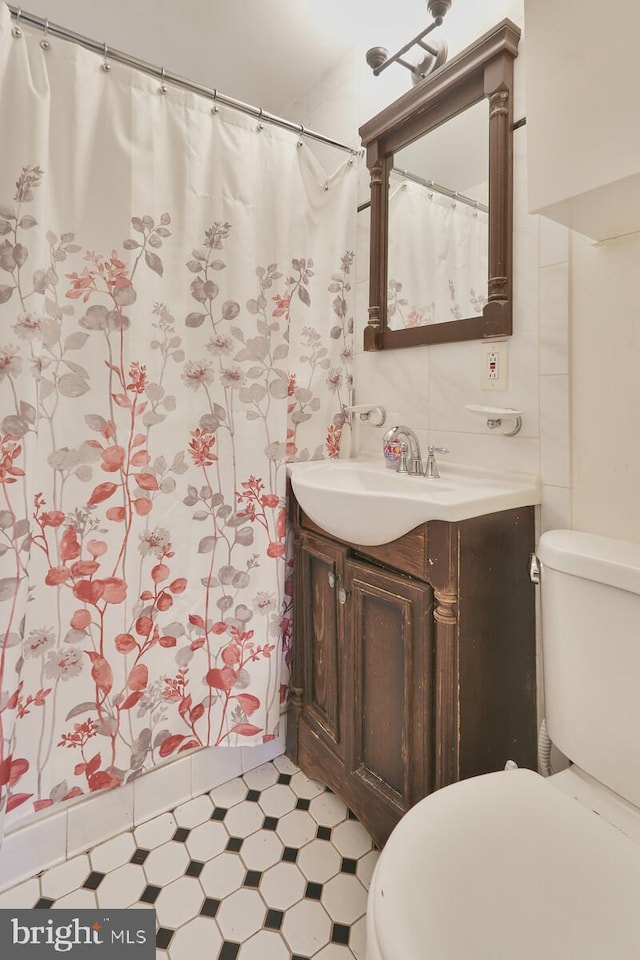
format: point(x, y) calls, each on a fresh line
point(414, 662)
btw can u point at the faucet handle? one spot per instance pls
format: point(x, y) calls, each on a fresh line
point(431, 471)
point(403, 466)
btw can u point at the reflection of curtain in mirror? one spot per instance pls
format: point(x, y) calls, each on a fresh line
point(437, 257)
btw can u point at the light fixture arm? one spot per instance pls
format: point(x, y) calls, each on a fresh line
point(378, 57)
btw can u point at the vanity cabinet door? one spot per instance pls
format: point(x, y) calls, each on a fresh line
point(389, 679)
point(319, 566)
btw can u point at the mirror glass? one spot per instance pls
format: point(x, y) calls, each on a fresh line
point(438, 224)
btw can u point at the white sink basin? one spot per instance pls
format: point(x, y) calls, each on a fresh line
point(364, 502)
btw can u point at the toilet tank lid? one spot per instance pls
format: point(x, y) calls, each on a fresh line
point(592, 557)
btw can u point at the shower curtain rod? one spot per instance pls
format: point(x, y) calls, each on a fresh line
point(54, 30)
point(438, 188)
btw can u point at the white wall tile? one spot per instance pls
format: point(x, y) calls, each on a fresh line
point(212, 766)
point(100, 817)
point(554, 319)
point(525, 277)
point(396, 379)
point(161, 789)
point(555, 513)
point(554, 242)
point(554, 430)
point(255, 756)
point(514, 454)
point(31, 849)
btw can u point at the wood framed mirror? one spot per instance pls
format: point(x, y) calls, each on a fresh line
point(419, 294)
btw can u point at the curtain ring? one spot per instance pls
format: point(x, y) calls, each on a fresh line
point(215, 108)
point(301, 135)
point(260, 124)
point(106, 66)
point(44, 43)
point(163, 86)
point(454, 199)
point(477, 206)
point(16, 30)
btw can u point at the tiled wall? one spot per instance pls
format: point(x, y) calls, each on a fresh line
point(75, 827)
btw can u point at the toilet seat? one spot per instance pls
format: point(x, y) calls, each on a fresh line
point(504, 867)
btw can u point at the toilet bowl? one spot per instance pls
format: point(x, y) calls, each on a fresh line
point(512, 865)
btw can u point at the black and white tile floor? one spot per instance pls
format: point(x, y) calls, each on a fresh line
point(268, 866)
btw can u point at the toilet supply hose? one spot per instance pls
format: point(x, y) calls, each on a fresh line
point(544, 751)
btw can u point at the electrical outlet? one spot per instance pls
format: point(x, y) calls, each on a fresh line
point(494, 365)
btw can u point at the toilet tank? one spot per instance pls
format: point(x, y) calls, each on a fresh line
point(590, 601)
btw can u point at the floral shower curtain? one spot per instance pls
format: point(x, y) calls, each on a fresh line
point(437, 257)
point(175, 323)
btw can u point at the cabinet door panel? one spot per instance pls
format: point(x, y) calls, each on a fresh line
point(389, 670)
point(319, 627)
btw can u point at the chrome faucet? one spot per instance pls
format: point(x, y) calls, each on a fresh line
point(431, 471)
point(410, 459)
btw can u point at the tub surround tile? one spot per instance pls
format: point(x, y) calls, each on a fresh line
point(264, 752)
point(25, 851)
point(99, 818)
point(161, 788)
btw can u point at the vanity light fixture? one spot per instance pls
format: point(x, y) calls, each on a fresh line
point(434, 54)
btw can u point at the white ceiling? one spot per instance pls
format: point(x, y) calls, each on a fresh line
point(264, 52)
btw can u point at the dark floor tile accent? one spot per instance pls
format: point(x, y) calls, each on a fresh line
point(234, 844)
point(285, 778)
point(43, 904)
point(323, 833)
point(313, 891)
point(340, 933)
point(195, 868)
point(253, 795)
point(328, 790)
point(302, 803)
point(94, 880)
point(269, 823)
point(351, 815)
point(297, 956)
point(181, 834)
point(139, 856)
point(290, 854)
point(252, 878)
point(273, 920)
point(348, 865)
point(150, 894)
point(229, 950)
point(164, 937)
point(210, 907)
point(219, 813)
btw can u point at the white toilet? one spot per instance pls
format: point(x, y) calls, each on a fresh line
point(512, 865)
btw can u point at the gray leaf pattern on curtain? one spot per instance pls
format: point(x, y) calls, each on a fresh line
point(152, 391)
